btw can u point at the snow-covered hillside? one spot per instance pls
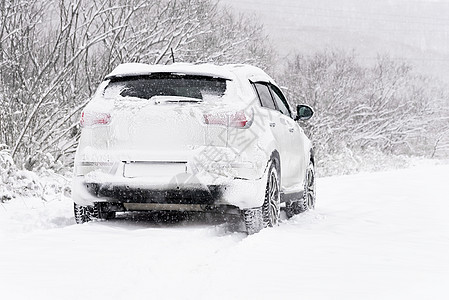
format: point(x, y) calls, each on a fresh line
point(373, 236)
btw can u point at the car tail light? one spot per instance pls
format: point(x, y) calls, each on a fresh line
point(94, 118)
point(239, 119)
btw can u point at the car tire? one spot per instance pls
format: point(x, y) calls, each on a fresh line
point(268, 215)
point(310, 189)
point(271, 209)
point(84, 214)
point(253, 220)
point(309, 196)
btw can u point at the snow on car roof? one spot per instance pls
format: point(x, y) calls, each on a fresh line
point(229, 72)
point(130, 69)
point(249, 72)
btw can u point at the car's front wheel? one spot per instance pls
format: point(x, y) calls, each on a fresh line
point(309, 196)
point(309, 189)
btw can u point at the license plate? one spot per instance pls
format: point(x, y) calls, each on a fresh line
point(153, 169)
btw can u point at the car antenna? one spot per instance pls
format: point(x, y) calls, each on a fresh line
point(172, 55)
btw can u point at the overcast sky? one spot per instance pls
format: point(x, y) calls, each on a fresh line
point(417, 31)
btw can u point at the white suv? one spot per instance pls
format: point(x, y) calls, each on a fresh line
point(186, 137)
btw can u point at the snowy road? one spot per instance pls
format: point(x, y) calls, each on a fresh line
point(373, 236)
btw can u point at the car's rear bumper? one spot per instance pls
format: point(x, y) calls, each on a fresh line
point(205, 176)
point(163, 195)
point(181, 189)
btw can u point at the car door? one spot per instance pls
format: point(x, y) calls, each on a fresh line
point(294, 141)
point(279, 126)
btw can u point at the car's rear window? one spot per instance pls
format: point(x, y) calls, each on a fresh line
point(146, 87)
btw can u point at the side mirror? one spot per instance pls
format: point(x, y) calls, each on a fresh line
point(303, 112)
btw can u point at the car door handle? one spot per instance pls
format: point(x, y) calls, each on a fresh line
point(272, 124)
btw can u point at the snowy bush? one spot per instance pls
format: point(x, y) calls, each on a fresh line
point(347, 162)
point(381, 110)
point(44, 183)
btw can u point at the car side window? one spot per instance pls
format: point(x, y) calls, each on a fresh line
point(280, 100)
point(264, 95)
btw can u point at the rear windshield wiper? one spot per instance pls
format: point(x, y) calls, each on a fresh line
point(174, 99)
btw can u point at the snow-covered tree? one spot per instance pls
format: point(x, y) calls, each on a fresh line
point(53, 53)
point(385, 107)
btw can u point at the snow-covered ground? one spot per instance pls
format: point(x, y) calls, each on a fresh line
point(372, 236)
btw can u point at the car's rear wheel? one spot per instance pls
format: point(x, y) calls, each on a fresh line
point(88, 213)
point(309, 196)
point(268, 215)
point(85, 214)
point(271, 209)
point(253, 220)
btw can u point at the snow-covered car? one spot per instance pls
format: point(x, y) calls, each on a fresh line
point(187, 137)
